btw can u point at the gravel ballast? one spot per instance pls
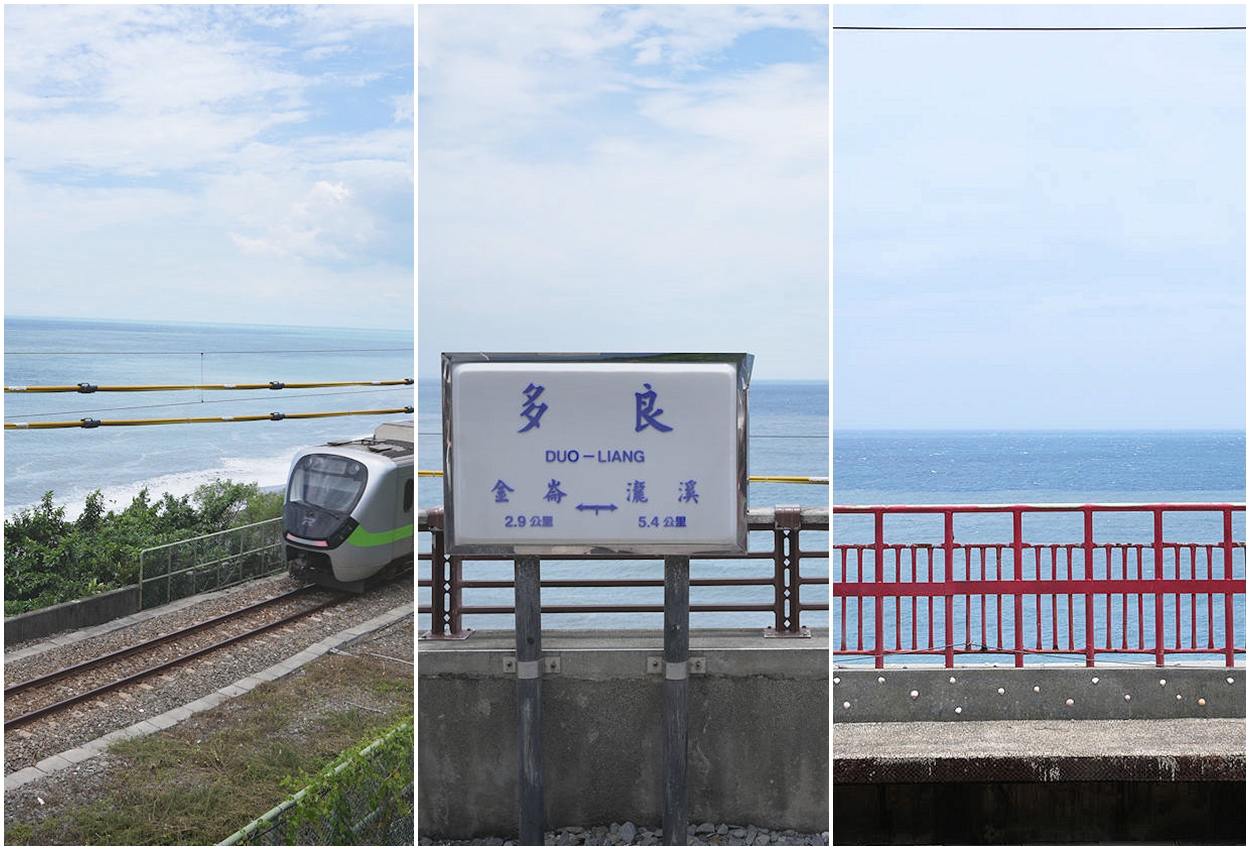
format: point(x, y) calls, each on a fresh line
point(201, 678)
point(626, 834)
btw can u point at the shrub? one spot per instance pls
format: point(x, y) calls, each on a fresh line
point(48, 559)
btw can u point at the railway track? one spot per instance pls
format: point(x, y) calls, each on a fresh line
point(47, 695)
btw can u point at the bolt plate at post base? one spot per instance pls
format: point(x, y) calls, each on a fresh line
point(462, 635)
point(803, 632)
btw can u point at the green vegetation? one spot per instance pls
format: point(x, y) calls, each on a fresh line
point(204, 779)
point(201, 780)
point(49, 559)
point(360, 800)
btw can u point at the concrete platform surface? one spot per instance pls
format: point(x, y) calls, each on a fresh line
point(1193, 736)
point(1192, 749)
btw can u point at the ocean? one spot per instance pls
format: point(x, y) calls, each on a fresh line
point(984, 467)
point(120, 461)
point(1037, 467)
point(788, 428)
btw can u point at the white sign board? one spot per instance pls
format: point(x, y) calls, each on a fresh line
point(572, 454)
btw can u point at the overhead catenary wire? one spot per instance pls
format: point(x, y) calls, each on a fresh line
point(86, 388)
point(193, 420)
point(788, 479)
point(904, 28)
point(202, 353)
point(199, 402)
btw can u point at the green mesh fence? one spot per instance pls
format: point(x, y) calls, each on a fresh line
point(210, 562)
point(366, 799)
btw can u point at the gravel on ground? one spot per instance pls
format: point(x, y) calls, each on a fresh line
point(622, 834)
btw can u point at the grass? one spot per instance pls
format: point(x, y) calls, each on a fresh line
point(201, 780)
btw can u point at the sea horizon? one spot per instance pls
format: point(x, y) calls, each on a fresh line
point(174, 456)
point(1022, 430)
point(192, 323)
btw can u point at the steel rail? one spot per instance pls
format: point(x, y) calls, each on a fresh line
point(136, 677)
point(38, 681)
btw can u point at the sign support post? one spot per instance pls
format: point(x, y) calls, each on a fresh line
point(675, 695)
point(529, 700)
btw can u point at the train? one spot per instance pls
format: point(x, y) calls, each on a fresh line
point(349, 509)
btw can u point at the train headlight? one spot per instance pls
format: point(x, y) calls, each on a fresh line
point(343, 532)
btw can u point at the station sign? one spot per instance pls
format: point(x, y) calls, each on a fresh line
point(595, 453)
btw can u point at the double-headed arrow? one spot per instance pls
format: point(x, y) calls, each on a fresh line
point(596, 508)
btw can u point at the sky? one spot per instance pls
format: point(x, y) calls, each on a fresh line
point(633, 179)
point(240, 164)
point(1039, 229)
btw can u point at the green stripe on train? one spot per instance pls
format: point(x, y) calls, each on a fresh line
point(360, 537)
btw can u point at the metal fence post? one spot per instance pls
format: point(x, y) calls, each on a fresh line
point(445, 585)
point(787, 582)
point(1017, 557)
point(878, 567)
point(1158, 594)
point(1088, 547)
point(439, 586)
point(948, 585)
point(1230, 628)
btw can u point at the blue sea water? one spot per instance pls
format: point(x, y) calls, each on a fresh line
point(788, 435)
point(985, 467)
point(1038, 467)
point(177, 458)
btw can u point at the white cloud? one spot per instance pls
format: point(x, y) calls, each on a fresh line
point(403, 108)
point(323, 224)
point(514, 68)
point(573, 197)
point(133, 96)
point(780, 111)
point(150, 150)
point(685, 37)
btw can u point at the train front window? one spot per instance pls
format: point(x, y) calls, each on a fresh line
point(328, 481)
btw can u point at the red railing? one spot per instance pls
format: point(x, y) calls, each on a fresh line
point(785, 578)
point(935, 595)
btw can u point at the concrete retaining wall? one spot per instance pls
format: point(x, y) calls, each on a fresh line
point(758, 747)
point(78, 614)
point(1037, 693)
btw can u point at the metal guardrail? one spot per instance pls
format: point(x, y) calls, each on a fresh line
point(940, 596)
point(447, 581)
point(210, 562)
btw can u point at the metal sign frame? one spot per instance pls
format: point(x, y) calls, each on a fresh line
point(687, 366)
